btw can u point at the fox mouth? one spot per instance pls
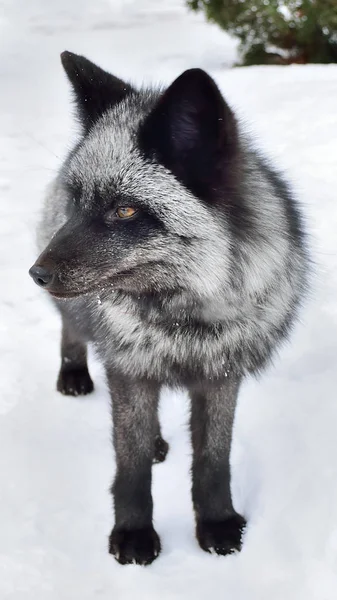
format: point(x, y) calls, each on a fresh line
point(97, 289)
point(65, 295)
point(110, 281)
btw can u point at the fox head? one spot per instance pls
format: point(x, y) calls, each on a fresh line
point(148, 194)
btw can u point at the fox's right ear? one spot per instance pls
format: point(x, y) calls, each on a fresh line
point(95, 90)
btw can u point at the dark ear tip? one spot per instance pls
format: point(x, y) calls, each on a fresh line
point(68, 58)
point(195, 77)
point(196, 71)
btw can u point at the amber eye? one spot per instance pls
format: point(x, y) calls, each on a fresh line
point(126, 212)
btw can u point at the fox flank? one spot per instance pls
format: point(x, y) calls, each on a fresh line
point(169, 243)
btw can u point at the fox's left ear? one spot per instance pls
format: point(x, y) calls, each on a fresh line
point(192, 132)
point(95, 90)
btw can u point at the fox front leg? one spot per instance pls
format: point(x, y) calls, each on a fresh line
point(74, 378)
point(218, 526)
point(134, 406)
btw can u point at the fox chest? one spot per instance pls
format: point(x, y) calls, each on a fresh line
point(159, 349)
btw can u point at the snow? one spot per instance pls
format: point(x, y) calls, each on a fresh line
point(56, 462)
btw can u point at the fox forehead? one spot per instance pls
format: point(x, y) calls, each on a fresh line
point(106, 151)
point(109, 160)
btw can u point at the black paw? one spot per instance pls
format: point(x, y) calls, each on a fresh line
point(160, 449)
point(74, 382)
point(222, 537)
point(138, 546)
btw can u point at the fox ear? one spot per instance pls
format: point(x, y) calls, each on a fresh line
point(191, 130)
point(95, 89)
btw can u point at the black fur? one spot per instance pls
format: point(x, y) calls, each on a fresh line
point(138, 546)
point(95, 90)
point(74, 378)
point(197, 289)
point(192, 131)
point(222, 537)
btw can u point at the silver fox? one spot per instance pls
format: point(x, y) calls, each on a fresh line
point(172, 245)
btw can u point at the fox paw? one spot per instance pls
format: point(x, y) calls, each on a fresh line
point(74, 382)
point(137, 546)
point(222, 537)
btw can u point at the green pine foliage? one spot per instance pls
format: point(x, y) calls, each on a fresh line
point(276, 31)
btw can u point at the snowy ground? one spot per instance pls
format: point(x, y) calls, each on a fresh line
point(56, 462)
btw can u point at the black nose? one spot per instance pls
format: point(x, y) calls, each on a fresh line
point(40, 275)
